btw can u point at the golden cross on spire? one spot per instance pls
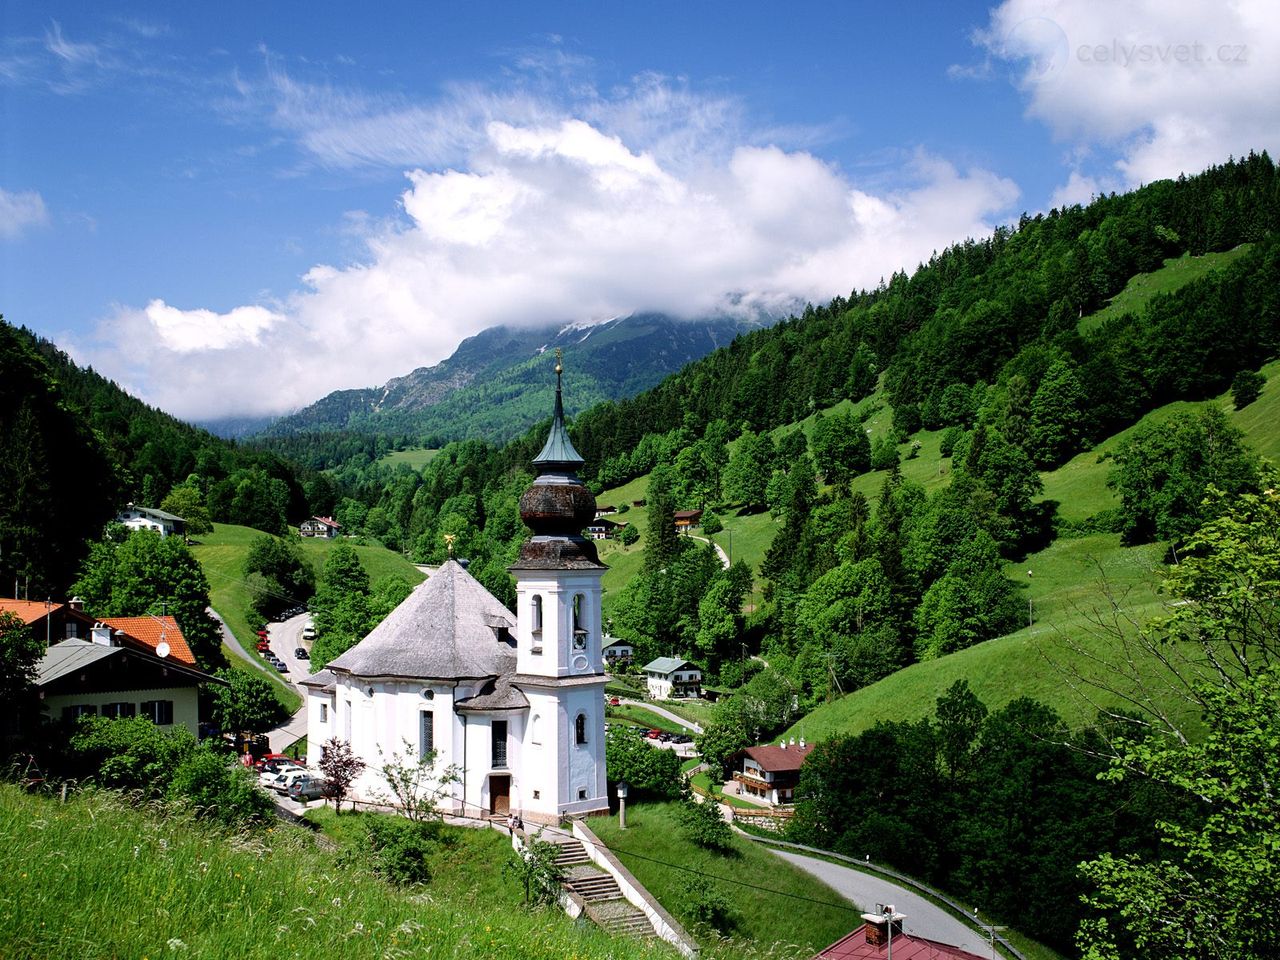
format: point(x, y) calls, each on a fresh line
point(448, 541)
point(559, 365)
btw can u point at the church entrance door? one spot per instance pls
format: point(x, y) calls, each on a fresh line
point(499, 794)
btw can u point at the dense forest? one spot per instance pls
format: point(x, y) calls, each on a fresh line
point(75, 448)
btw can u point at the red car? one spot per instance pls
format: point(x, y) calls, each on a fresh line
point(273, 760)
point(615, 702)
point(654, 734)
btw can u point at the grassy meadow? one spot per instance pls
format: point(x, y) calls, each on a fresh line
point(415, 458)
point(1176, 272)
point(770, 901)
point(100, 877)
point(222, 554)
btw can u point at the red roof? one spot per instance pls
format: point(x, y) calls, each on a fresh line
point(28, 611)
point(906, 946)
point(329, 522)
point(776, 759)
point(687, 514)
point(149, 631)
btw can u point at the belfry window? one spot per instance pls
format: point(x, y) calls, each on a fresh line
point(579, 623)
point(580, 729)
point(537, 615)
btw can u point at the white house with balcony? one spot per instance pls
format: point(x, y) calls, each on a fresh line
point(671, 678)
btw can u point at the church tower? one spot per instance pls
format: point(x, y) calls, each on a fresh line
point(559, 663)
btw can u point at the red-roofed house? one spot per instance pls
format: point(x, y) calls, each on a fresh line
point(871, 941)
point(149, 632)
point(771, 772)
point(685, 519)
point(50, 620)
point(325, 527)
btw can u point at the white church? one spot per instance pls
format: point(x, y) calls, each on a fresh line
point(515, 704)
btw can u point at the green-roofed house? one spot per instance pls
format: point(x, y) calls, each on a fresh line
point(673, 678)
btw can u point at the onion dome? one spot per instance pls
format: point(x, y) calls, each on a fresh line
point(558, 505)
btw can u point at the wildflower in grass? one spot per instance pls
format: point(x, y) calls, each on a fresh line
point(176, 944)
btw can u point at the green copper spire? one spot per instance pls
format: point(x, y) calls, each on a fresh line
point(558, 451)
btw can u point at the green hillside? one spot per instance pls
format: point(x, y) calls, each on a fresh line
point(1069, 588)
point(415, 458)
point(222, 555)
point(1177, 272)
point(128, 883)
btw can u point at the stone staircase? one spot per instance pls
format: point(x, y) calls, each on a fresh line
point(605, 903)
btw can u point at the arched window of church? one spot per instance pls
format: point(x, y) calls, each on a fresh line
point(579, 622)
point(537, 614)
point(535, 729)
point(580, 729)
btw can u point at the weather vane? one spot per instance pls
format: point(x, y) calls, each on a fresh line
point(559, 365)
point(448, 541)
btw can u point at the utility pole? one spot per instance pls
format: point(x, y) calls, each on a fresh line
point(990, 928)
point(1030, 609)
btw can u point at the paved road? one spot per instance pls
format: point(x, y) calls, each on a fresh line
point(663, 712)
point(233, 644)
point(924, 918)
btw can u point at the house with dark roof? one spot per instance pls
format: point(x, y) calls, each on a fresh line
point(770, 772)
point(603, 529)
point(672, 678)
point(108, 676)
point(618, 649)
point(514, 703)
point(685, 520)
point(149, 518)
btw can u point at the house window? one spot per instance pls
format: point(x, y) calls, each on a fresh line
point(119, 710)
point(537, 794)
point(499, 729)
point(426, 733)
point(324, 713)
point(159, 712)
point(74, 713)
point(580, 729)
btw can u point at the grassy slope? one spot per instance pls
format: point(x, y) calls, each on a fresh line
point(1067, 593)
point(97, 878)
point(1175, 273)
point(416, 458)
point(653, 834)
point(222, 554)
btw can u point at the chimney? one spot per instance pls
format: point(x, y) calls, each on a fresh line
point(783, 745)
point(883, 926)
point(77, 604)
point(802, 743)
point(100, 634)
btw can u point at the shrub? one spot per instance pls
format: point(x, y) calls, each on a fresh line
point(1247, 387)
point(704, 826)
point(219, 790)
point(403, 848)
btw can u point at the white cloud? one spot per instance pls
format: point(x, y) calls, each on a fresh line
point(1171, 87)
point(549, 216)
point(19, 212)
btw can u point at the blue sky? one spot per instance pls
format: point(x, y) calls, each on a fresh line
point(234, 208)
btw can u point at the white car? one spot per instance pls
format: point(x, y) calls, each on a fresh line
point(281, 783)
point(267, 777)
point(309, 632)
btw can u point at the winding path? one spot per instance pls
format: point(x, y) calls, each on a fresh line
point(724, 557)
point(663, 712)
point(865, 889)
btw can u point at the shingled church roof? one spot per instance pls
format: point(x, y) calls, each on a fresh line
point(448, 628)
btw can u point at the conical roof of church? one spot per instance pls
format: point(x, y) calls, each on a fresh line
point(446, 629)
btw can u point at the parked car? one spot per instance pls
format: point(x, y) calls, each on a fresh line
point(301, 654)
point(282, 782)
point(654, 734)
point(615, 702)
point(309, 632)
point(267, 778)
point(274, 761)
point(264, 646)
point(681, 738)
point(310, 788)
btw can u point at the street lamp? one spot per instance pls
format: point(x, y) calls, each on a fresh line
point(1030, 619)
point(622, 804)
